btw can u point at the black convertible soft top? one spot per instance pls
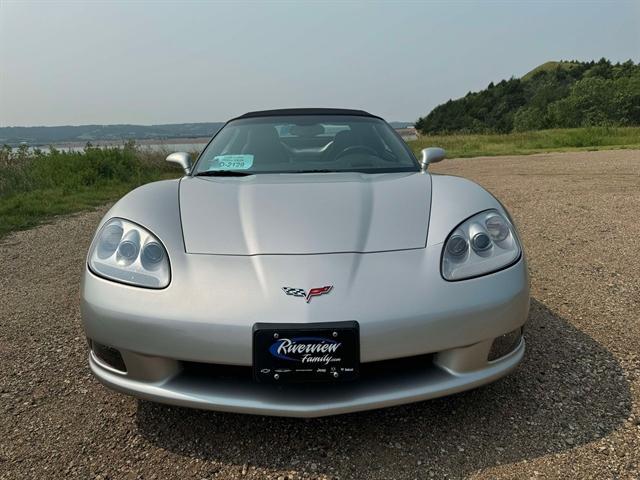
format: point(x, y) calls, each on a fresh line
point(286, 112)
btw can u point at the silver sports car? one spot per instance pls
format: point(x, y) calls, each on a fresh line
point(306, 265)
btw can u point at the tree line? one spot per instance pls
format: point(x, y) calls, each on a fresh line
point(554, 95)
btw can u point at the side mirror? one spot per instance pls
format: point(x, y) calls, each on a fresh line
point(432, 155)
point(183, 159)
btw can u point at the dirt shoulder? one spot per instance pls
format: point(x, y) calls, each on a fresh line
point(571, 410)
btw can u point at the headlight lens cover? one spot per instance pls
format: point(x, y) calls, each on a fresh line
point(125, 252)
point(480, 245)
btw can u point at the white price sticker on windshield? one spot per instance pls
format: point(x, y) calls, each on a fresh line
point(232, 162)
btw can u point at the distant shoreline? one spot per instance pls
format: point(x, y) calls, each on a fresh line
point(77, 136)
point(118, 143)
point(406, 133)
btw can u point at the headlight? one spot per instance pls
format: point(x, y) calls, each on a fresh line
point(481, 244)
point(127, 253)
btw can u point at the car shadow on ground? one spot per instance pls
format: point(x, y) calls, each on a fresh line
point(567, 392)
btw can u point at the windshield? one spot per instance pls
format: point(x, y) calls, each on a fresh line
point(306, 143)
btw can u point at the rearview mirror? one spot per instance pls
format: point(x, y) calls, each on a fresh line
point(432, 155)
point(183, 159)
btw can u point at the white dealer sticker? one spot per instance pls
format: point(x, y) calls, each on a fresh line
point(232, 162)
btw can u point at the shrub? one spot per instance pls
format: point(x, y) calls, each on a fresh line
point(36, 184)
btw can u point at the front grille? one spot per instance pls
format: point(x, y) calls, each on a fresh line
point(214, 370)
point(109, 356)
point(367, 370)
point(395, 366)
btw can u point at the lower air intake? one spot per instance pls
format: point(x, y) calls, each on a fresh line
point(505, 344)
point(109, 355)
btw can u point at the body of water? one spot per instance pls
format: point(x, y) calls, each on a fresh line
point(155, 147)
point(171, 145)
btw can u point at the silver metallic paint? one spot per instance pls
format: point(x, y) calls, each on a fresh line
point(402, 303)
point(183, 159)
point(431, 155)
point(305, 213)
point(231, 395)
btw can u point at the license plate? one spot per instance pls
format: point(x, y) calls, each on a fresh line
point(291, 352)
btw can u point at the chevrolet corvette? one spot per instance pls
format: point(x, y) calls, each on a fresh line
point(306, 264)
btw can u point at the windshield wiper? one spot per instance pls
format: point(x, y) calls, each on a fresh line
point(222, 173)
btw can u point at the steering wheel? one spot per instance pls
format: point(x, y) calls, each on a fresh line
point(356, 149)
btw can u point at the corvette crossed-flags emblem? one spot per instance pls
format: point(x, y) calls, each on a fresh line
point(314, 292)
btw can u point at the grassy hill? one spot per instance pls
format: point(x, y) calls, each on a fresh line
point(552, 95)
point(550, 66)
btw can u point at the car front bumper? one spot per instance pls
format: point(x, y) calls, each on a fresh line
point(242, 395)
point(170, 339)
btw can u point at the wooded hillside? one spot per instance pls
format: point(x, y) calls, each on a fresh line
point(553, 95)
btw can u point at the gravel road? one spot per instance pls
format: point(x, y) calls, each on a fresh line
point(571, 410)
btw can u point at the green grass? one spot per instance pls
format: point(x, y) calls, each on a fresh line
point(35, 186)
point(523, 143)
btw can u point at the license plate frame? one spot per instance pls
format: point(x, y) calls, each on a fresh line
point(306, 352)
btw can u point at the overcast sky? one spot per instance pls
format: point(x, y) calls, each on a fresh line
point(72, 62)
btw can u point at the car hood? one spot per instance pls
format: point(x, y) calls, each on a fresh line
point(305, 213)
